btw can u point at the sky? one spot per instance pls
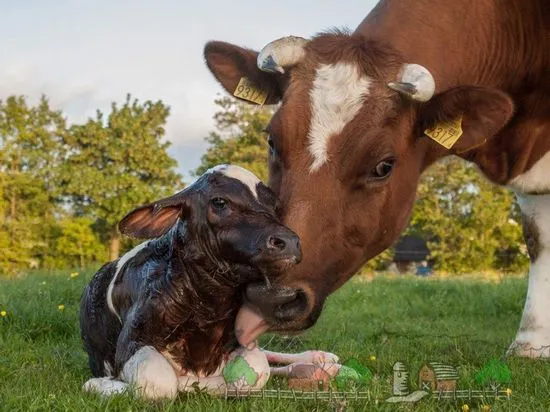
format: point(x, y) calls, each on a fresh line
point(85, 54)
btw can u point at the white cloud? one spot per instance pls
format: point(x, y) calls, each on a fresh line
point(83, 55)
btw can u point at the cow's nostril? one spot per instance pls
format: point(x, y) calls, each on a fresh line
point(276, 243)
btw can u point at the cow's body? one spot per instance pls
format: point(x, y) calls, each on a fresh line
point(347, 150)
point(502, 45)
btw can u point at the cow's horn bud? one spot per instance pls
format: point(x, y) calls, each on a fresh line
point(415, 82)
point(281, 53)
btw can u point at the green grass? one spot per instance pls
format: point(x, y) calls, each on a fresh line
point(462, 322)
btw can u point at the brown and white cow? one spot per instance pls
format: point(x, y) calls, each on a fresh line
point(348, 142)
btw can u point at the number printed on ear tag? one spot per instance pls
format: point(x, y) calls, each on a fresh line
point(446, 134)
point(248, 91)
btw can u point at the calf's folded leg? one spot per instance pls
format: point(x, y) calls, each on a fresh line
point(311, 356)
point(151, 374)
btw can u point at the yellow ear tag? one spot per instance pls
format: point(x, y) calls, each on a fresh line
point(248, 91)
point(446, 134)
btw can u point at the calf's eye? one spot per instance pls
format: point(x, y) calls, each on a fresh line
point(219, 203)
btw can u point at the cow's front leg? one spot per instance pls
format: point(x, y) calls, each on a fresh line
point(316, 357)
point(243, 370)
point(533, 337)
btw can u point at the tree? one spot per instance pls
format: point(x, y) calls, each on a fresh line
point(239, 138)
point(119, 162)
point(77, 245)
point(470, 224)
point(31, 150)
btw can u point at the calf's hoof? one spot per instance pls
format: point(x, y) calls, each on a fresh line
point(105, 386)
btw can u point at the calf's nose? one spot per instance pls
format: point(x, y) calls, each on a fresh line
point(286, 245)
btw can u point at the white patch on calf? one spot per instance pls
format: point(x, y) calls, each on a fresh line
point(121, 262)
point(338, 93)
point(536, 179)
point(105, 386)
point(151, 373)
point(533, 337)
point(246, 177)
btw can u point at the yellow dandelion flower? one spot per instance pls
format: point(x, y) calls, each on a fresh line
point(508, 391)
point(372, 357)
point(61, 307)
point(73, 275)
point(465, 408)
point(3, 313)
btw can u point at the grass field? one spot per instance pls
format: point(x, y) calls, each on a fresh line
point(462, 322)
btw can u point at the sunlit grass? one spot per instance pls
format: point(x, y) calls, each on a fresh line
point(463, 322)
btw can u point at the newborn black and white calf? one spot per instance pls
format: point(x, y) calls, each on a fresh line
point(161, 318)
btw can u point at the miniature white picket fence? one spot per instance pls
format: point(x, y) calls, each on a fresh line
point(330, 395)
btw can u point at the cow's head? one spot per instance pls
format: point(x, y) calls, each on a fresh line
point(347, 147)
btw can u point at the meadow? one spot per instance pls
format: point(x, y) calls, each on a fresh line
point(464, 322)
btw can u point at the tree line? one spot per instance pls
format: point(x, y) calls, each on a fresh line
point(63, 187)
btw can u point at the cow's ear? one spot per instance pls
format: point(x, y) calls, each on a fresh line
point(230, 64)
point(466, 117)
point(157, 218)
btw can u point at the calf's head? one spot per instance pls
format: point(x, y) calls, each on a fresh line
point(230, 222)
point(347, 146)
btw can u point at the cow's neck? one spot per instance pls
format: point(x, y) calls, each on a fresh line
point(465, 42)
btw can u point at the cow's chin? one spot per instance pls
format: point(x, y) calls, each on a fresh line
point(274, 309)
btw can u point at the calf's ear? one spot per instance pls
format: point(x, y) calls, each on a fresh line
point(229, 64)
point(465, 117)
point(155, 219)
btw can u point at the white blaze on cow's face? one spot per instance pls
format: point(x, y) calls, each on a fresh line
point(338, 93)
point(246, 177)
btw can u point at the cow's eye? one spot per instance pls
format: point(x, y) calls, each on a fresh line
point(383, 169)
point(219, 203)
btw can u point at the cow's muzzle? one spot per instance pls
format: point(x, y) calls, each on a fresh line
point(276, 308)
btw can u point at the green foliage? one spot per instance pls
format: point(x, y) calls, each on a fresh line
point(239, 138)
point(77, 244)
point(470, 224)
point(238, 369)
point(63, 189)
point(494, 373)
point(118, 163)
point(31, 150)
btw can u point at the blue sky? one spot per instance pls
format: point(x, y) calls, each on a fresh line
point(85, 54)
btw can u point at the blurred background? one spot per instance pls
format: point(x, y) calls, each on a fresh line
point(105, 106)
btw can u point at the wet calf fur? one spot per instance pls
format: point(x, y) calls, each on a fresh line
point(174, 298)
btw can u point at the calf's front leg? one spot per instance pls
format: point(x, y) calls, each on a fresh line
point(146, 371)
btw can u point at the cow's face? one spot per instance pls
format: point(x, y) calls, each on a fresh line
point(347, 147)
